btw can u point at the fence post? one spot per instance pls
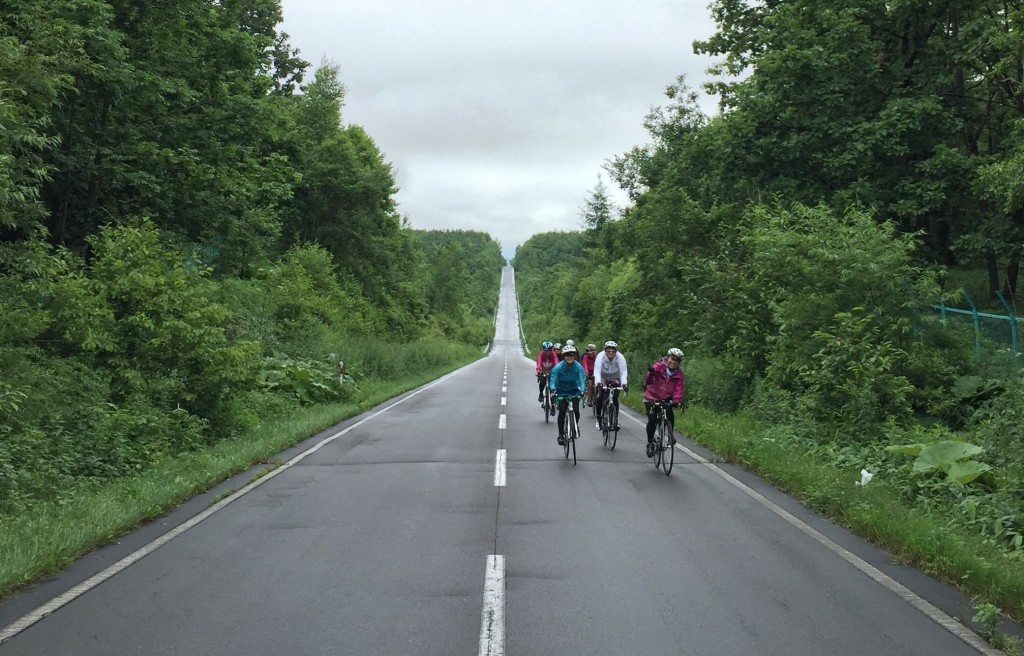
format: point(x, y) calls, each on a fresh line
point(977, 328)
point(1013, 323)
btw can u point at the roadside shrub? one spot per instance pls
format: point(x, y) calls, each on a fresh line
point(716, 382)
point(169, 345)
point(853, 380)
point(996, 425)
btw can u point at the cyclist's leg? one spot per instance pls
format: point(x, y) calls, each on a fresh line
point(671, 425)
point(562, 405)
point(576, 409)
point(652, 423)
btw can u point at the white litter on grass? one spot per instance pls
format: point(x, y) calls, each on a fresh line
point(865, 477)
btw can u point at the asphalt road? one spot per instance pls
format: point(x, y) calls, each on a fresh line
point(404, 534)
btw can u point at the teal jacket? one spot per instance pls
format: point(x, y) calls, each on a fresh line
point(568, 379)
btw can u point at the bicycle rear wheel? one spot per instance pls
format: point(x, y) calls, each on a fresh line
point(668, 456)
point(547, 405)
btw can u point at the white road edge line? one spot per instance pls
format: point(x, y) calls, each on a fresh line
point(499, 468)
point(904, 593)
point(30, 618)
point(492, 618)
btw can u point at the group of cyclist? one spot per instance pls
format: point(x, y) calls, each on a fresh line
point(569, 376)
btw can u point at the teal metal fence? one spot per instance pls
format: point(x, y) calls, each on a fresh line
point(996, 328)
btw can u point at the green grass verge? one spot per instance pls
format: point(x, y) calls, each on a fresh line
point(52, 536)
point(875, 512)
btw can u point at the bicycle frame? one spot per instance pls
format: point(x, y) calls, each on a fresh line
point(609, 417)
point(572, 428)
point(548, 405)
point(664, 446)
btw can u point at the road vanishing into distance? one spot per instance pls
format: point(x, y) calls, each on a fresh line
point(447, 521)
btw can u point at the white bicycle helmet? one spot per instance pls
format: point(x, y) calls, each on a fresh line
point(611, 344)
point(569, 348)
point(674, 352)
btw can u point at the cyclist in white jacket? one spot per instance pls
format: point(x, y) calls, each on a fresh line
point(609, 369)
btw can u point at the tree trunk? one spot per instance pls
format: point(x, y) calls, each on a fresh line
point(993, 273)
point(939, 228)
point(1010, 290)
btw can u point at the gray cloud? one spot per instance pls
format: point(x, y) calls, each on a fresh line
point(498, 118)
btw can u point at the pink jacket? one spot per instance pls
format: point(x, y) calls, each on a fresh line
point(662, 383)
point(546, 363)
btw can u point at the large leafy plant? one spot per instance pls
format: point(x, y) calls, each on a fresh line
point(952, 458)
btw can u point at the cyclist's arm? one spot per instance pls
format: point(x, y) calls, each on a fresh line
point(677, 395)
point(622, 367)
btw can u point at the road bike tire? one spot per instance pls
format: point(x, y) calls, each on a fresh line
point(659, 440)
point(547, 406)
point(574, 431)
point(604, 424)
point(568, 432)
point(668, 456)
point(613, 419)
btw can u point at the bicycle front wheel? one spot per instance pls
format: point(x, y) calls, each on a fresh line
point(547, 406)
point(613, 426)
point(668, 456)
point(574, 431)
point(568, 432)
point(604, 424)
point(659, 442)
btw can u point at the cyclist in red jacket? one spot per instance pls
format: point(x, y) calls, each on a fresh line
point(587, 360)
point(546, 360)
point(664, 381)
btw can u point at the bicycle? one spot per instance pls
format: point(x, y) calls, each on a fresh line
point(664, 439)
point(572, 428)
point(547, 405)
point(588, 395)
point(609, 415)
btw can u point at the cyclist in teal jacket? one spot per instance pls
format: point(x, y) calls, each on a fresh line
point(568, 380)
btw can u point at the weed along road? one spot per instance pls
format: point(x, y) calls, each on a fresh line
point(447, 521)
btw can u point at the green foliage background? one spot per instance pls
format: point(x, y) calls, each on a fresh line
point(191, 239)
point(864, 165)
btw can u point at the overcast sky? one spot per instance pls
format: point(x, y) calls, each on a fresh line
point(498, 116)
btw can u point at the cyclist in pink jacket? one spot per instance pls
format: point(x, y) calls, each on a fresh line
point(664, 381)
point(546, 360)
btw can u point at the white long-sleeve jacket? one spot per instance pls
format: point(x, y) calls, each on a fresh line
point(614, 369)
